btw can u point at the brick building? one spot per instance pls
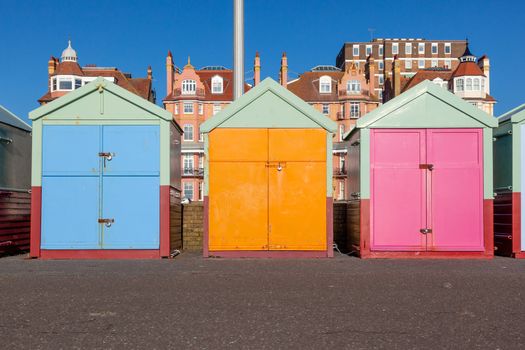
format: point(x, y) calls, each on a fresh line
point(413, 55)
point(193, 96)
point(66, 75)
point(343, 95)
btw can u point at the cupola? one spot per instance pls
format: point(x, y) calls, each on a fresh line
point(69, 55)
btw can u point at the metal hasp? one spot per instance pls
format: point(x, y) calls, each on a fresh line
point(425, 230)
point(238, 48)
point(426, 166)
point(107, 222)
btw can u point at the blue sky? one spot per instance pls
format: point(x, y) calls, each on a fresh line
point(131, 35)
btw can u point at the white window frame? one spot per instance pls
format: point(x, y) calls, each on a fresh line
point(380, 51)
point(381, 80)
point(434, 63)
point(476, 86)
point(341, 132)
point(66, 78)
point(54, 84)
point(468, 84)
point(341, 195)
point(408, 64)
point(188, 108)
point(188, 187)
point(396, 46)
point(189, 87)
point(353, 87)
point(325, 84)
point(216, 108)
point(482, 84)
point(421, 48)
point(380, 65)
point(201, 108)
point(355, 50)
point(217, 84)
point(448, 48)
point(460, 84)
point(201, 135)
point(354, 110)
point(188, 132)
point(176, 108)
point(408, 48)
point(368, 50)
point(436, 47)
point(421, 64)
point(448, 64)
point(325, 108)
point(188, 164)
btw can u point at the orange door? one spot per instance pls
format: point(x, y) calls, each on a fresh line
point(238, 187)
point(297, 189)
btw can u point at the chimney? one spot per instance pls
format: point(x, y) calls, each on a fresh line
point(371, 75)
point(283, 76)
point(396, 76)
point(169, 73)
point(150, 73)
point(257, 70)
point(484, 64)
point(51, 66)
point(238, 48)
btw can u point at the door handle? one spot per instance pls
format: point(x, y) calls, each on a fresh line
point(425, 230)
point(106, 222)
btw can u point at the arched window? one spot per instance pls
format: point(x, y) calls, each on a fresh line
point(216, 85)
point(460, 85)
point(353, 87)
point(189, 87)
point(476, 84)
point(469, 84)
point(325, 84)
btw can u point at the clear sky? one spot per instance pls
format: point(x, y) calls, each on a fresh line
point(131, 35)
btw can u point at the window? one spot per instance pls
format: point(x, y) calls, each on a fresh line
point(356, 50)
point(188, 165)
point(434, 63)
point(341, 190)
point(380, 50)
point(201, 108)
point(353, 87)
point(176, 108)
point(189, 87)
point(201, 135)
point(395, 48)
point(434, 48)
point(448, 48)
point(380, 95)
point(65, 83)
point(408, 64)
point(448, 64)
point(380, 65)
point(216, 85)
point(421, 48)
point(53, 84)
point(216, 108)
point(421, 64)
point(326, 108)
point(325, 85)
point(341, 132)
point(188, 107)
point(354, 110)
point(476, 84)
point(368, 50)
point(201, 162)
point(78, 83)
point(460, 84)
point(482, 84)
point(381, 80)
point(342, 162)
point(408, 48)
point(201, 186)
point(468, 84)
point(188, 190)
point(188, 132)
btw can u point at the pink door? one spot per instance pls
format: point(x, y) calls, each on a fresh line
point(456, 213)
point(398, 190)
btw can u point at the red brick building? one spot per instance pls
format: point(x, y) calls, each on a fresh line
point(66, 75)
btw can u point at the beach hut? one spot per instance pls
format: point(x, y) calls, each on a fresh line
point(105, 176)
point(15, 183)
point(509, 152)
point(268, 174)
point(420, 177)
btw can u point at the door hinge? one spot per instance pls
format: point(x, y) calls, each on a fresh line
point(425, 230)
point(426, 166)
point(106, 222)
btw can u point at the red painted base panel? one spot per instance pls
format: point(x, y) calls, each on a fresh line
point(289, 254)
point(100, 254)
point(519, 255)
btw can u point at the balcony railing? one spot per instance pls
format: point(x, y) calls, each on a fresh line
point(347, 93)
point(193, 172)
point(197, 93)
point(353, 115)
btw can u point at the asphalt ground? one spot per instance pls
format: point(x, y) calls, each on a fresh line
point(196, 303)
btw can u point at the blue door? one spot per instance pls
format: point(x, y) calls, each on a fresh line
point(70, 187)
point(130, 181)
point(100, 187)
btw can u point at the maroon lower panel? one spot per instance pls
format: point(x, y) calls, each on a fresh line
point(36, 221)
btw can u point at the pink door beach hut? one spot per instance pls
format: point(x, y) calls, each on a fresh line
point(420, 177)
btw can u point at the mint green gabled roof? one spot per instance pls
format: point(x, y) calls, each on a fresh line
point(269, 105)
point(426, 106)
point(516, 115)
point(102, 85)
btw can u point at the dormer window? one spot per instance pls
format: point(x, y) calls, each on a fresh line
point(216, 85)
point(460, 85)
point(189, 87)
point(476, 84)
point(325, 85)
point(78, 83)
point(469, 84)
point(53, 83)
point(353, 87)
point(65, 83)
